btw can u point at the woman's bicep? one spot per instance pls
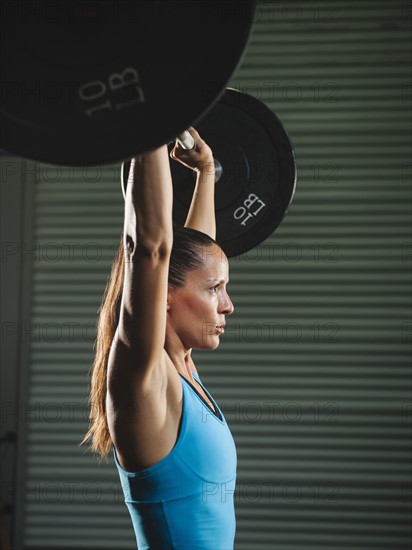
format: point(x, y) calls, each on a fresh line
point(142, 320)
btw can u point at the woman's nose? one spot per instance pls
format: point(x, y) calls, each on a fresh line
point(226, 306)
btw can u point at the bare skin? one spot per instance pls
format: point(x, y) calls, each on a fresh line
point(201, 215)
point(159, 325)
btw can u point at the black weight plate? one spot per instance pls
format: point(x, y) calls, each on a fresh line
point(258, 164)
point(86, 83)
point(259, 172)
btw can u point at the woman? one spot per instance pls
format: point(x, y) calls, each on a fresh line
point(166, 295)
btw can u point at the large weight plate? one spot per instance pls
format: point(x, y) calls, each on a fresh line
point(259, 172)
point(86, 83)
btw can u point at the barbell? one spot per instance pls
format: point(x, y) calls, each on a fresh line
point(95, 82)
point(88, 83)
point(256, 178)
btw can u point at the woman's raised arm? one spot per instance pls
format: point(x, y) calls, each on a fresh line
point(201, 214)
point(148, 237)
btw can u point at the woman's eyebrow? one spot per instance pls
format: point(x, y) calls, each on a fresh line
point(216, 279)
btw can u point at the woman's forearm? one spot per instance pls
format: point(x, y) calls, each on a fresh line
point(201, 215)
point(149, 197)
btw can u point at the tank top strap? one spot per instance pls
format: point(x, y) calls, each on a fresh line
point(218, 414)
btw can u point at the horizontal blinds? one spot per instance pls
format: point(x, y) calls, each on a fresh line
point(313, 372)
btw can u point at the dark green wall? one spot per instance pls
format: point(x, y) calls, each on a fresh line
point(313, 373)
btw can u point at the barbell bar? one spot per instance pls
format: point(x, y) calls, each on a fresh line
point(257, 166)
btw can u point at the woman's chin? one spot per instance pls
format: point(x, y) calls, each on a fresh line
point(212, 342)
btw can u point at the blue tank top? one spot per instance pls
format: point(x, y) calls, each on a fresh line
point(186, 500)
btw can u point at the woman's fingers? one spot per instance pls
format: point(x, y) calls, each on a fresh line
point(197, 158)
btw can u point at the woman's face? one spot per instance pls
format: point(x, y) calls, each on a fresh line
point(198, 308)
